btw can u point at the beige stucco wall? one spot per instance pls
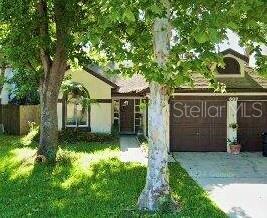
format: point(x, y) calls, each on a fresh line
point(101, 118)
point(96, 87)
point(101, 113)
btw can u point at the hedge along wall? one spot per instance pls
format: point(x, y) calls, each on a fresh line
point(16, 118)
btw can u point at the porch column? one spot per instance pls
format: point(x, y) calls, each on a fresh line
point(231, 118)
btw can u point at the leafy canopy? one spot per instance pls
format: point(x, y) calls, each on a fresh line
point(20, 37)
point(25, 85)
point(123, 29)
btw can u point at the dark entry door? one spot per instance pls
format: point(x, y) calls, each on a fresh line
point(252, 121)
point(127, 116)
point(197, 125)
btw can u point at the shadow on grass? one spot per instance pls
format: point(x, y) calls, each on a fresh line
point(86, 182)
point(75, 187)
point(195, 201)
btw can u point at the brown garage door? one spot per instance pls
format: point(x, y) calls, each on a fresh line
point(252, 121)
point(198, 125)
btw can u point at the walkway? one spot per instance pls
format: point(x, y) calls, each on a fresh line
point(130, 150)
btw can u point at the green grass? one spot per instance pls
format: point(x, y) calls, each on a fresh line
point(87, 181)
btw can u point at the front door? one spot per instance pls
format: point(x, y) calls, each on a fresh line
point(127, 116)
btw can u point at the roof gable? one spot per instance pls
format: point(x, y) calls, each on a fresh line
point(235, 53)
point(101, 77)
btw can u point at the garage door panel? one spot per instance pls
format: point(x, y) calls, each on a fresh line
point(250, 138)
point(198, 112)
point(250, 125)
point(187, 135)
point(219, 131)
point(205, 132)
point(251, 113)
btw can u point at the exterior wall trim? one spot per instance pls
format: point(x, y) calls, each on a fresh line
point(127, 97)
point(236, 54)
point(103, 100)
point(231, 118)
point(222, 94)
point(96, 100)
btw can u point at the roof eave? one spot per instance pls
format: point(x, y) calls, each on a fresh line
point(99, 76)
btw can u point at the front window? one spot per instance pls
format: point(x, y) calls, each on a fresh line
point(76, 113)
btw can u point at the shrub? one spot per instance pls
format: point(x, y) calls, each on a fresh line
point(76, 135)
point(115, 131)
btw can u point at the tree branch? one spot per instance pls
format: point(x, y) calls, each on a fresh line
point(60, 60)
point(30, 66)
point(44, 33)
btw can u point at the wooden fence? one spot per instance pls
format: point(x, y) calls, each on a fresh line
point(16, 118)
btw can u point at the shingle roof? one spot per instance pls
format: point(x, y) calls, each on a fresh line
point(245, 82)
point(251, 80)
point(261, 80)
point(136, 83)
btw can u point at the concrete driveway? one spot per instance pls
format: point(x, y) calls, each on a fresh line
point(237, 183)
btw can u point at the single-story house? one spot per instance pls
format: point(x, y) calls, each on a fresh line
point(200, 119)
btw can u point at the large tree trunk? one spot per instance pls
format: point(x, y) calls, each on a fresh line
point(49, 126)
point(54, 70)
point(157, 189)
point(49, 122)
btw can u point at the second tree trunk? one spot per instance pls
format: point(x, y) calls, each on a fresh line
point(157, 189)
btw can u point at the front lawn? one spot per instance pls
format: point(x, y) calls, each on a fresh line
point(88, 181)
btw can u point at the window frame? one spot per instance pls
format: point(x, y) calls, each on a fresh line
point(87, 126)
point(76, 118)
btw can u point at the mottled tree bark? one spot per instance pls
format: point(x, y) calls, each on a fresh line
point(49, 125)
point(157, 190)
point(49, 122)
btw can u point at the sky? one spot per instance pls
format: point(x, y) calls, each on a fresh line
point(233, 43)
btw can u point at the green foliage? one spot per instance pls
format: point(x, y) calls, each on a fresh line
point(115, 131)
point(122, 30)
point(2, 80)
point(25, 85)
point(198, 27)
point(76, 135)
point(261, 62)
point(76, 92)
point(21, 39)
point(89, 180)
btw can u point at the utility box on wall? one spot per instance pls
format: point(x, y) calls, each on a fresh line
point(16, 118)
